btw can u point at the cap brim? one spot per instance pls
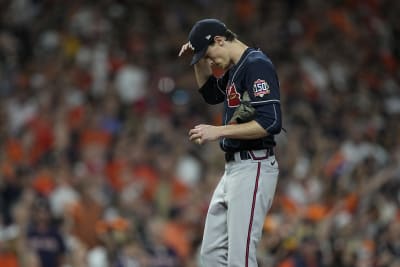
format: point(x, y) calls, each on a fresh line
point(198, 55)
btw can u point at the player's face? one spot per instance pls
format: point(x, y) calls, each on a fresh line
point(218, 55)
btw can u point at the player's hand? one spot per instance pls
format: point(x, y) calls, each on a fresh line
point(203, 132)
point(185, 48)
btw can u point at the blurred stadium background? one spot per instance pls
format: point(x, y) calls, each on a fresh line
point(96, 169)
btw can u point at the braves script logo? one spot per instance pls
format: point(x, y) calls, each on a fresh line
point(233, 96)
point(260, 88)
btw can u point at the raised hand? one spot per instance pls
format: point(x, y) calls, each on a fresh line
point(185, 47)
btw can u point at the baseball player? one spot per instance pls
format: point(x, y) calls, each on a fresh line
point(245, 192)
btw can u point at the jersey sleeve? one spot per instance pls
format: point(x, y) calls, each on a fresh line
point(262, 84)
point(213, 91)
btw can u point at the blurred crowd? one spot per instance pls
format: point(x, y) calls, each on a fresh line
point(96, 169)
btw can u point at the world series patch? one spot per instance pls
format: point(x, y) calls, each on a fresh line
point(261, 88)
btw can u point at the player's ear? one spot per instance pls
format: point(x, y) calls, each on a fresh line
point(219, 40)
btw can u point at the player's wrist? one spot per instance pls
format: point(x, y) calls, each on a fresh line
point(225, 131)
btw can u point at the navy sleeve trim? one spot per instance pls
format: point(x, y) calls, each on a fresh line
point(270, 119)
point(275, 121)
point(270, 101)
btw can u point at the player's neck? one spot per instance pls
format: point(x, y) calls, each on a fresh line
point(237, 50)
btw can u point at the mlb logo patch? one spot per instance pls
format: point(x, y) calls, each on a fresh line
point(260, 88)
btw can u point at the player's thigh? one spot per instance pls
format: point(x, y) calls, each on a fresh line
point(267, 183)
point(242, 188)
point(250, 192)
point(215, 229)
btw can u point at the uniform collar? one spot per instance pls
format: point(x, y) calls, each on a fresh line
point(242, 58)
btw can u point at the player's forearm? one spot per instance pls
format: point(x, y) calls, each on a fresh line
point(248, 130)
point(202, 71)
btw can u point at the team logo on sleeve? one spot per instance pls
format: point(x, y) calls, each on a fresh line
point(260, 88)
point(233, 97)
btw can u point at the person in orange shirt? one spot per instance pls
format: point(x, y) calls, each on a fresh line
point(84, 215)
point(8, 259)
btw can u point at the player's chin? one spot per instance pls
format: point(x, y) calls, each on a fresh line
point(224, 66)
point(217, 65)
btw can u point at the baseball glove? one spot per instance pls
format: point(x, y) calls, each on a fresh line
point(245, 112)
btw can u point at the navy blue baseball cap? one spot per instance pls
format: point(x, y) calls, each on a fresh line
point(202, 35)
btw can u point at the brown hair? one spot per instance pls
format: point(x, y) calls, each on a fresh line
point(229, 35)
